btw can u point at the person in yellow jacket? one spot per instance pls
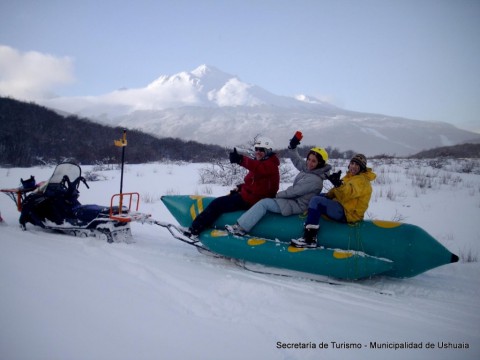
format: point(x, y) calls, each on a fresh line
point(346, 202)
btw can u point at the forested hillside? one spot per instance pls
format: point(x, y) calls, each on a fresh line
point(455, 151)
point(32, 135)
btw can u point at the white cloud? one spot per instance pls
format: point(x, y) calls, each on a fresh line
point(32, 75)
point(234, 93)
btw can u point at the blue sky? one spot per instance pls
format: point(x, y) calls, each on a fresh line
point(414, 58)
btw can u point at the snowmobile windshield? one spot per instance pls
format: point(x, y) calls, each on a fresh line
point(73, 172)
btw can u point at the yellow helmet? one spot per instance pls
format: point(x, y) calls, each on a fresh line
point(322, 152)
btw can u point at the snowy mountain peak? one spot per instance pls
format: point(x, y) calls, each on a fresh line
point(204, 78)
point(205, 86)
point(205, 70)
point(195, 104)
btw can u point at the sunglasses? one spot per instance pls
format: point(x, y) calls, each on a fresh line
point(260, 149)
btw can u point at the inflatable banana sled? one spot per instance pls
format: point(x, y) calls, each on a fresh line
point(349, 251)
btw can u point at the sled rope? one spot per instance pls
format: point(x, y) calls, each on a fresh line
point(179, 234)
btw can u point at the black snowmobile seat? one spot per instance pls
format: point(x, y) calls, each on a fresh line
point(86, 213)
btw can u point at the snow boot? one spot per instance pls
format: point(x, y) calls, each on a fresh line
point(235, 230)
point(309, 239)
point(191, 233)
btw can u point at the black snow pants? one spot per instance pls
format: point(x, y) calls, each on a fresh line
point(222, 204)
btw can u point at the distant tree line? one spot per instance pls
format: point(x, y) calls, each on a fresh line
point(31, 135)
point(454, 151)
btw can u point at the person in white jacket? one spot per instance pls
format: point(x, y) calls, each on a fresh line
point(295, 199)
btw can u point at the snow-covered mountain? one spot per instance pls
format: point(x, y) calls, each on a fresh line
point(210, 106)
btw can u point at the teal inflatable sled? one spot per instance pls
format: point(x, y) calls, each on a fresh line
point(349, 251)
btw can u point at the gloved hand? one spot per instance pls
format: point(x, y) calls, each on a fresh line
point(235, 158)
point(295, 140)
point(236, 189)
point(335, 178)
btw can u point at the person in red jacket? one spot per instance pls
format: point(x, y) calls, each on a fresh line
point(262, 181)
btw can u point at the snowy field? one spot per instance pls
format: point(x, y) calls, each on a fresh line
point(157, 298)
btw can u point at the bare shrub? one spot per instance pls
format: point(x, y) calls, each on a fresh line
point(149, 198)
point(171, 192)
point(222, 173)
point(398, 217)
point(468, 256)
point(91, 176)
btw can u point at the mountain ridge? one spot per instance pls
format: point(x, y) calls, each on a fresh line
point(210, 106)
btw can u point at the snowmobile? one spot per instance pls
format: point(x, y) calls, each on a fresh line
point(54, 205)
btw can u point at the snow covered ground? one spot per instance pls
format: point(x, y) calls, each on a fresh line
point(81, 298)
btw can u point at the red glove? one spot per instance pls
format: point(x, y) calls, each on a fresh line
point(295, 140)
